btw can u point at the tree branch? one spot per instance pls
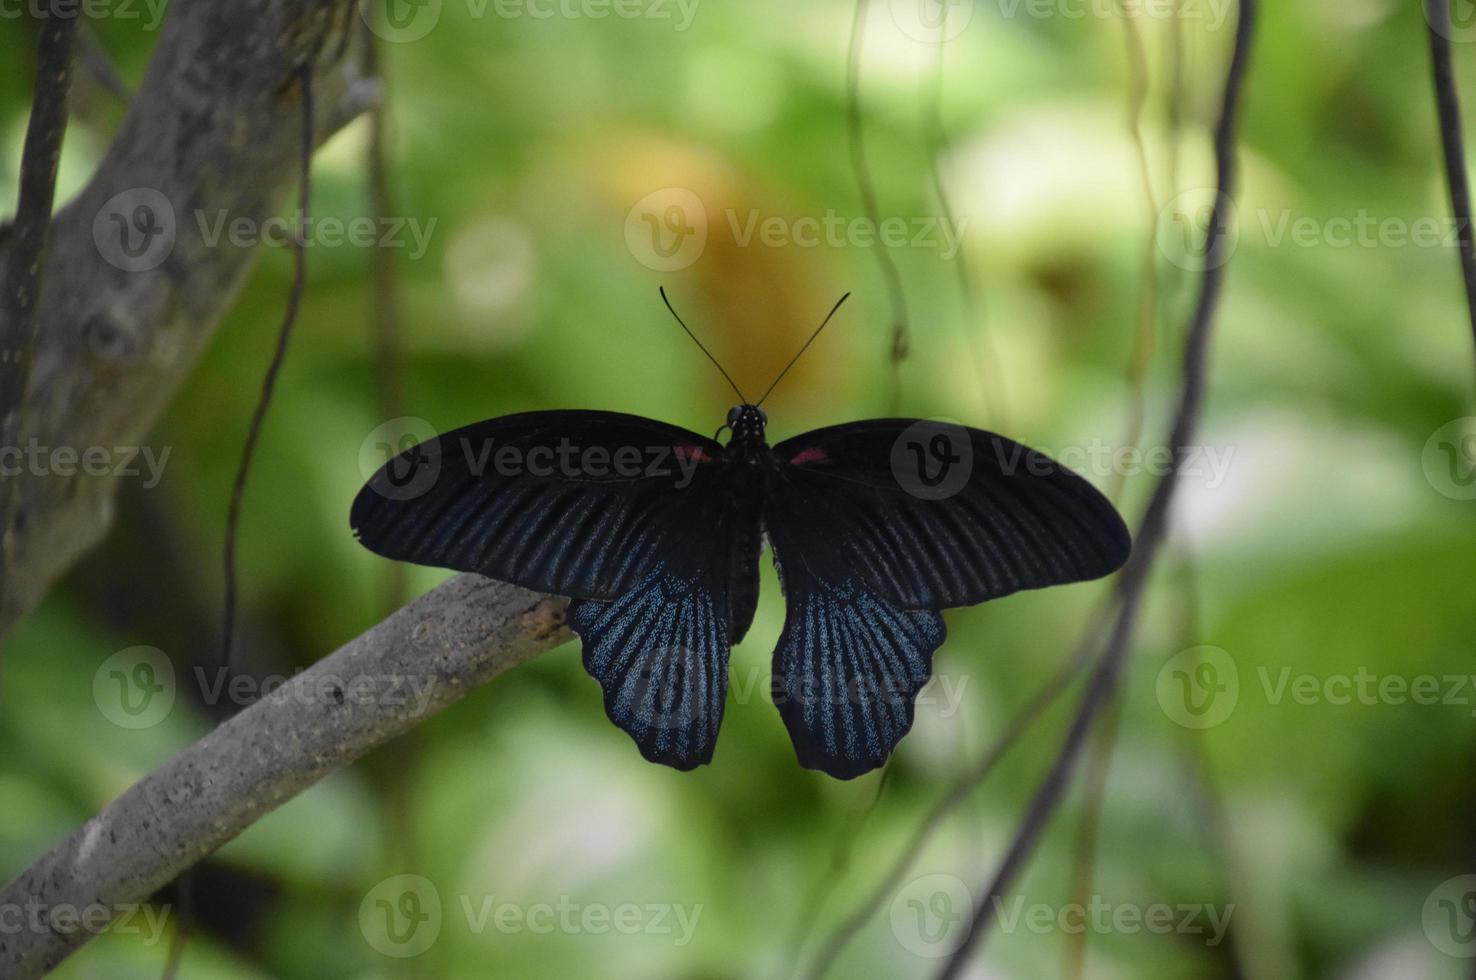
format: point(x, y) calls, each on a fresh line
point(21, 273)
point(211, 134)
point(420, 660)
point(1133, 582)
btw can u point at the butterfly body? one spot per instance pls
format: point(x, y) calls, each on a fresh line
point(655, 533)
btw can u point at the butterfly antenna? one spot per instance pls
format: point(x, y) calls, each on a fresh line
point(700, 345)
point(806, 347)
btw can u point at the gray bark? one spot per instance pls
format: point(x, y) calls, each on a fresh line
point(212, 130)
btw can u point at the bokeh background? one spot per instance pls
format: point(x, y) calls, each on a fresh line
point(1281, 761)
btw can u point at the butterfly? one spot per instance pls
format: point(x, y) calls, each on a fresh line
point(655, 533)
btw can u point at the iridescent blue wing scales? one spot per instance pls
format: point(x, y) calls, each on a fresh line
point(875, 527)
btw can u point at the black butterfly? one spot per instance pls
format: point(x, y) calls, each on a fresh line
point(655, 533)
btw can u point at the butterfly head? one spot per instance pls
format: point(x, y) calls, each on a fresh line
point(747, 424)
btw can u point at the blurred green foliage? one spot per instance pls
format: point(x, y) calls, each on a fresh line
point(1325, 550)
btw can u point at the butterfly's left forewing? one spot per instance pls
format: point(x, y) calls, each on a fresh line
point(875, 527)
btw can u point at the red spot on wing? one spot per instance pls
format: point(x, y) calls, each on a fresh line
point(693, 452)
point(812, 455)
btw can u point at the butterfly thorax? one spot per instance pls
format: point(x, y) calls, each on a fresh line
point(747, 422)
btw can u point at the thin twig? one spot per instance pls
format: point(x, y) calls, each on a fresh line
point(1448, 107)
point(1145, 338)
point(304, 76)
point(1084, 861)
point(386, 312)
point(891, 275)
point(840, 862)
point(100, 65)
point(21, 277)
point(1153, 528)
point(984, 356)
point(1200, 770)
point(957, 794)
